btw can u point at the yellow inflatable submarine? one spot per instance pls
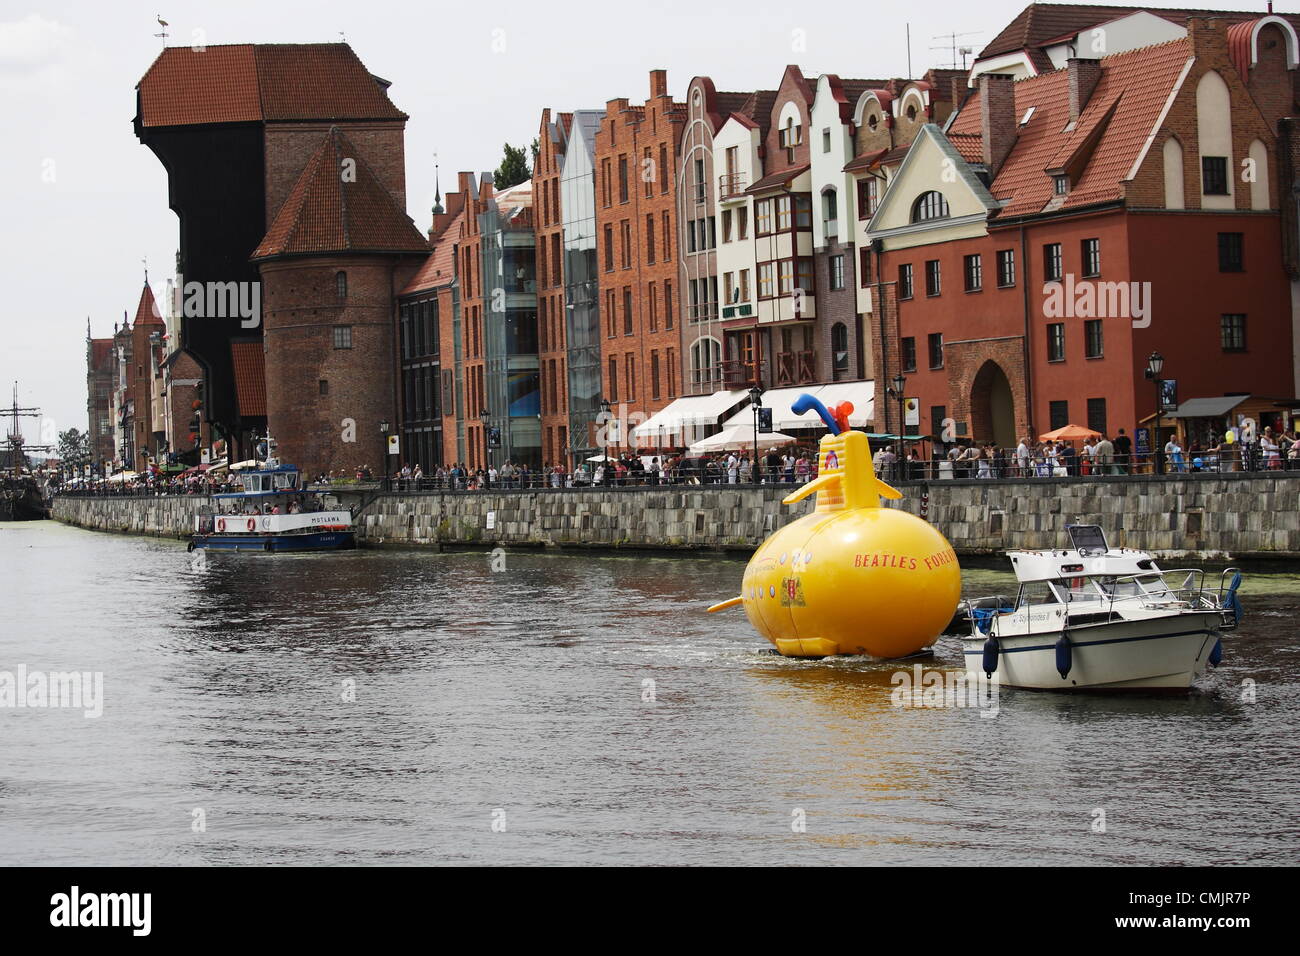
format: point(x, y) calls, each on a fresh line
point(852, 577)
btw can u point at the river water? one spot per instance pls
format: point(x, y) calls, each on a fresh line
point(389, 707)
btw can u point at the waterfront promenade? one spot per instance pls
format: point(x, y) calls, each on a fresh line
point(1233, 516)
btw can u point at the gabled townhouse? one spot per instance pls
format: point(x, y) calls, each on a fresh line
point(1070, 224)
point(636, 150)
point(552, 349)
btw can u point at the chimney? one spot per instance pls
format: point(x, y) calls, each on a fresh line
point(997, 118)
point(1209, 36)
point(1084, 75)
point(658, 83)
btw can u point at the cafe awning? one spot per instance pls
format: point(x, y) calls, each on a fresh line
point(1207, 407)
point(686, 419)
point(784, 418)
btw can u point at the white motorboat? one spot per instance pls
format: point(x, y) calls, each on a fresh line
point(1092, 617)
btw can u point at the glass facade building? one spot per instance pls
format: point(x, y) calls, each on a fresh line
point(581, 294)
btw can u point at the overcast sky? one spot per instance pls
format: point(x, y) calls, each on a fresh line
point(82, 202)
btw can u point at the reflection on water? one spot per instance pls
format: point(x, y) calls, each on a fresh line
point(525, 691)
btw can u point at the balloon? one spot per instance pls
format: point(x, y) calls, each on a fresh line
point(1197, 462)
point(1229, 436)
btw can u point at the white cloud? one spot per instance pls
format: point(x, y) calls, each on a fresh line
point(31, 43)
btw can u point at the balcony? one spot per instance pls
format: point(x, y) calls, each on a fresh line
point(702, 312)
point(795, 368)
point(731, 186)
point(740, 374)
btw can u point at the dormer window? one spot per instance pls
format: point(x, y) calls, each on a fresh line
point(873, 121)
point(930, 206)
point(1060, 185)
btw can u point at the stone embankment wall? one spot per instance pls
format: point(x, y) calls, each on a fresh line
point(1254, 516)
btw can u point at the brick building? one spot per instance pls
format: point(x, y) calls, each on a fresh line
point(240, 129)
point(101, 371)
point(1036, 254)
point(638, 235)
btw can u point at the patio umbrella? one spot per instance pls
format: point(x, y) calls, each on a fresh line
point(739, 438)
point(1069, 433)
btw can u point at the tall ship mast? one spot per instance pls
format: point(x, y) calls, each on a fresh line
point(21, 497)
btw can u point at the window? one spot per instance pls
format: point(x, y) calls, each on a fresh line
point(802, 211)
point(622, 179)
point(1214, 175)
point(742, 223)
point(929, 206)
point(864, 266)
point(933, 285)
point(830, 212)
point(1231, 252)
point(609, 248)
point(699, 180)
point(343, 336)
point(1097, 414)
point(936, 350)
point(905, 281)
point(1059, 414)
point(1006, 268)
point(324, 386)
point(654, 373)
point(626, 227)
point(613, 379)
point(837, 272)
point(630, 363)
point(341, 285)
point(1056, 342)
point(762, 217)
point(1233, 332)
point(908, 354)
point(667, 237)
point(691, 244)
point(840, 349)
point(937, 415)
point(665, 173)
point(1093, 344)
point(652, 301)
point(805, 276)
point(826, 141)
point(1060, 185)
point(627, 310)
point(1052, 262)
point(783, 208)
point(668, 303)
point(605, 182)
point(726, 225)
point(974, 273)
point(650, 239)
point(766, 274)
point(868, 195)
point(1091, 249)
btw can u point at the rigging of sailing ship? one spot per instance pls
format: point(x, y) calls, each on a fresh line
point(21, 495)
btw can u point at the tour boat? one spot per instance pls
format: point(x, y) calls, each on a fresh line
point(1092, 617)
point(272, 513)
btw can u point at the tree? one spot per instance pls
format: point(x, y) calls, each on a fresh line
point(513, 169)
point(74, 447)
point(537, 149)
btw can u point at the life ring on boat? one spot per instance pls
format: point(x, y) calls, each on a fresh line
point(221, 524)
point(266, 524)
point(252, 524)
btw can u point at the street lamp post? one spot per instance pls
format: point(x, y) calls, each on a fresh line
point(383, 430)
point(485, 417)
point(900, 383)
point(604, 443)
point(756, 402)
point(1156, 365)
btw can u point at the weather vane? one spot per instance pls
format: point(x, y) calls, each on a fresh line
point(164, 34)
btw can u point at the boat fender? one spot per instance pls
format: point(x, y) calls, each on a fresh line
point(1064, 655)
point(1231, 600)
point(1216, 655)
point(991, 649)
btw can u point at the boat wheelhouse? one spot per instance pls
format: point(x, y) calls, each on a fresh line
point(1093, 617)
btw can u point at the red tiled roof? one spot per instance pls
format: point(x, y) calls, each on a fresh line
point(147, 310)
point(248, 83)
point(969, 145)
point(1239, 45)
point(324, 214)
point(250, 378)
point(777, 179)
point(1039, 24)
point(440, 268)
point(1143, 78)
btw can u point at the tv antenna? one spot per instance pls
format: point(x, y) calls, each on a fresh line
point(956, 50)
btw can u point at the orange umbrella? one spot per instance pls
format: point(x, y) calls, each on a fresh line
point(1069, 433)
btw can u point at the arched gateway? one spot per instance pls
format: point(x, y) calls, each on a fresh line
point(992, 409)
